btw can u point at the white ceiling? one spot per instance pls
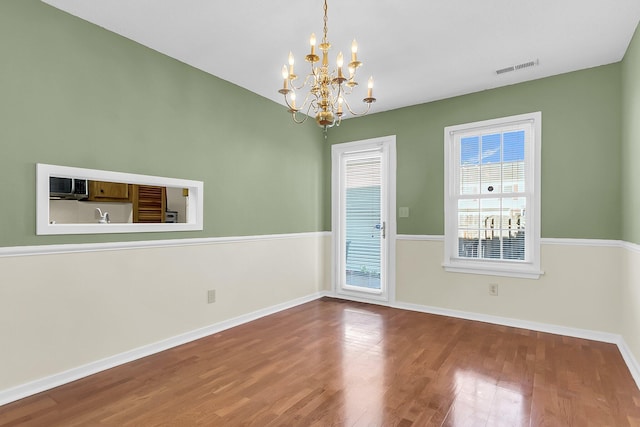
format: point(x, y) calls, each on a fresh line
point(417, 50)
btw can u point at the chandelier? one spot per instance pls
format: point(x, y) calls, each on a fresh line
point(327, 89)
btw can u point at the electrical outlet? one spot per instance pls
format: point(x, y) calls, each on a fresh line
point(211, 296)
point(493, 289)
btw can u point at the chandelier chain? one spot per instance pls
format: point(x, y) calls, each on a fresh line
point(326, 19)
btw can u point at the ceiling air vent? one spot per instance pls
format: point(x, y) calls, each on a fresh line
point(517, 67)
point(505, 70)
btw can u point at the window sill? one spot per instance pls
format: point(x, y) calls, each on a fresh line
point(526, 271)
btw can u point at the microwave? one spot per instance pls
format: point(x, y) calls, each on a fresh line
point(68, 188)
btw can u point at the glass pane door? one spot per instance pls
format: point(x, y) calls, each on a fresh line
point(363, 224)
point(363, 219)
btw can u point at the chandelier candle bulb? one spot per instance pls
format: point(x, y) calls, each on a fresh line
point(339, 62)
point(370, 86)
point(352, 71)
point(285, 76)
point(354, 50)
point(291, 60)
point(293, 100)
point(312, 42)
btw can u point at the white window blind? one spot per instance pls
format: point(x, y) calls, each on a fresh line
point(363, 221)
point(492, 201)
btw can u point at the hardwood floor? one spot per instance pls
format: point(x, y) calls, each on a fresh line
point(336, 363)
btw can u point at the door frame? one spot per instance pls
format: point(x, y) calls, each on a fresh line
point(387, 143)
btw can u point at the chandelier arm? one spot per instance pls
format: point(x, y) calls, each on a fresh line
point(311, 99)
point(346, 103)
point(307, 103)
point(335, 101)
point(313, 104)
point(289, 105)
point(346, 91)
point(295, 111)
point(294, 116)
point(304, 84)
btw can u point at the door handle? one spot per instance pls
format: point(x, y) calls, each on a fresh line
point(383, 228)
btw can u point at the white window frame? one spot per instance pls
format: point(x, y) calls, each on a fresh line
point(528, 268)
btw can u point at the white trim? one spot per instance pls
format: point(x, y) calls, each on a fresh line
point(392, 220)
point(582, 242)
point(631, 362)
point(545, 241)
point(55, 380)
point(12, 251)
point(633, 247)
point(430, 238)
point(515, 323)
point(356, 298)
point(484, 268)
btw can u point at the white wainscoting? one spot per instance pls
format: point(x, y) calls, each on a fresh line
point(67, 311)
point(588, 291)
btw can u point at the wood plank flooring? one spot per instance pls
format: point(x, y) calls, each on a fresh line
point(337, 363)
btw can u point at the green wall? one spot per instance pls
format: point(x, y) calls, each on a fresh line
point(631, 141)
point(74, 94)
point(581, 119)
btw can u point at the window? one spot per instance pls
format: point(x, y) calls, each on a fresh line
point(492, 196)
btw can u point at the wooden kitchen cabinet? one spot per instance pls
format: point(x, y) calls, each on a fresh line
point(102, 191)
point(149, 203)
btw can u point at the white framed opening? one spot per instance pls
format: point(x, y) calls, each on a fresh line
point(192, 197)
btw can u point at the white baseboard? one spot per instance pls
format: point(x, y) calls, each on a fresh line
point(632, 363)
point(516, 323)
point(55, 380)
